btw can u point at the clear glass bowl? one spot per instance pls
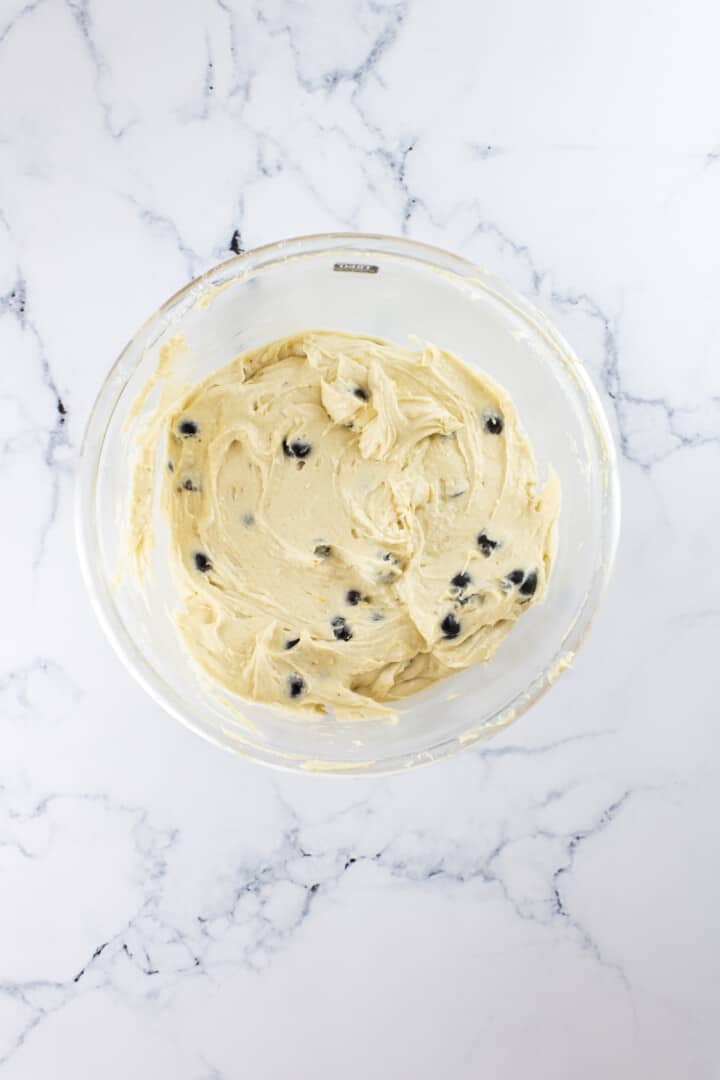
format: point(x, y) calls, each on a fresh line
point(388, 288)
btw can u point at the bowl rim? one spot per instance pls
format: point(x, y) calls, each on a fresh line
point(113, 386)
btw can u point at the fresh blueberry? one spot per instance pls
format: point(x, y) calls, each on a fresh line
point(360, 393)
point(296, 449)
point(292, 642)
point(188, 428)
point(486, 545)
point(516, 577)
point(461, 581)
point(353, 597)
point(389, 574)
point(450, 626)
point(529, 585)
point(494, 424)
point(202, 562)
point(341, 630)
point(323, 551)
point(296, 685)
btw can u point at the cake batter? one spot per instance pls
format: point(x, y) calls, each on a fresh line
point(350, 521)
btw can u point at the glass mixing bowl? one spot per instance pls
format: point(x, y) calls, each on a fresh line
point(381, 287)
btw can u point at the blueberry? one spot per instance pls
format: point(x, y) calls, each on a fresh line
point(341, 630)
point(202, 562)
point(295, 685)
point(390, 557)
point(529, 585)
point(296, 449)
point(360, 393)
point(353, 597)
point(486, 545)
point(450, 626)
point(389, 576)
point(494, 424)
point(188, 428)
point(461, 581)
point(323, 551)
point(292, 642)
point(516, 577)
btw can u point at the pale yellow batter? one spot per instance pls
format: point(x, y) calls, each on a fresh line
point(350, 521)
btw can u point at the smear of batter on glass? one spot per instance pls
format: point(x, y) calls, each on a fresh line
point(350, 521)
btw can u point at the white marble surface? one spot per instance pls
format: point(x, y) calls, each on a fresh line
point(545, 907)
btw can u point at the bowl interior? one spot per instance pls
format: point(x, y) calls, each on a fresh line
point(394, 290)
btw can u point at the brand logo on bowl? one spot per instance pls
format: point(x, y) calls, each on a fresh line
point(356, 268)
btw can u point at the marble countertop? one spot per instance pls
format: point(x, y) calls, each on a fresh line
point(547, 906)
